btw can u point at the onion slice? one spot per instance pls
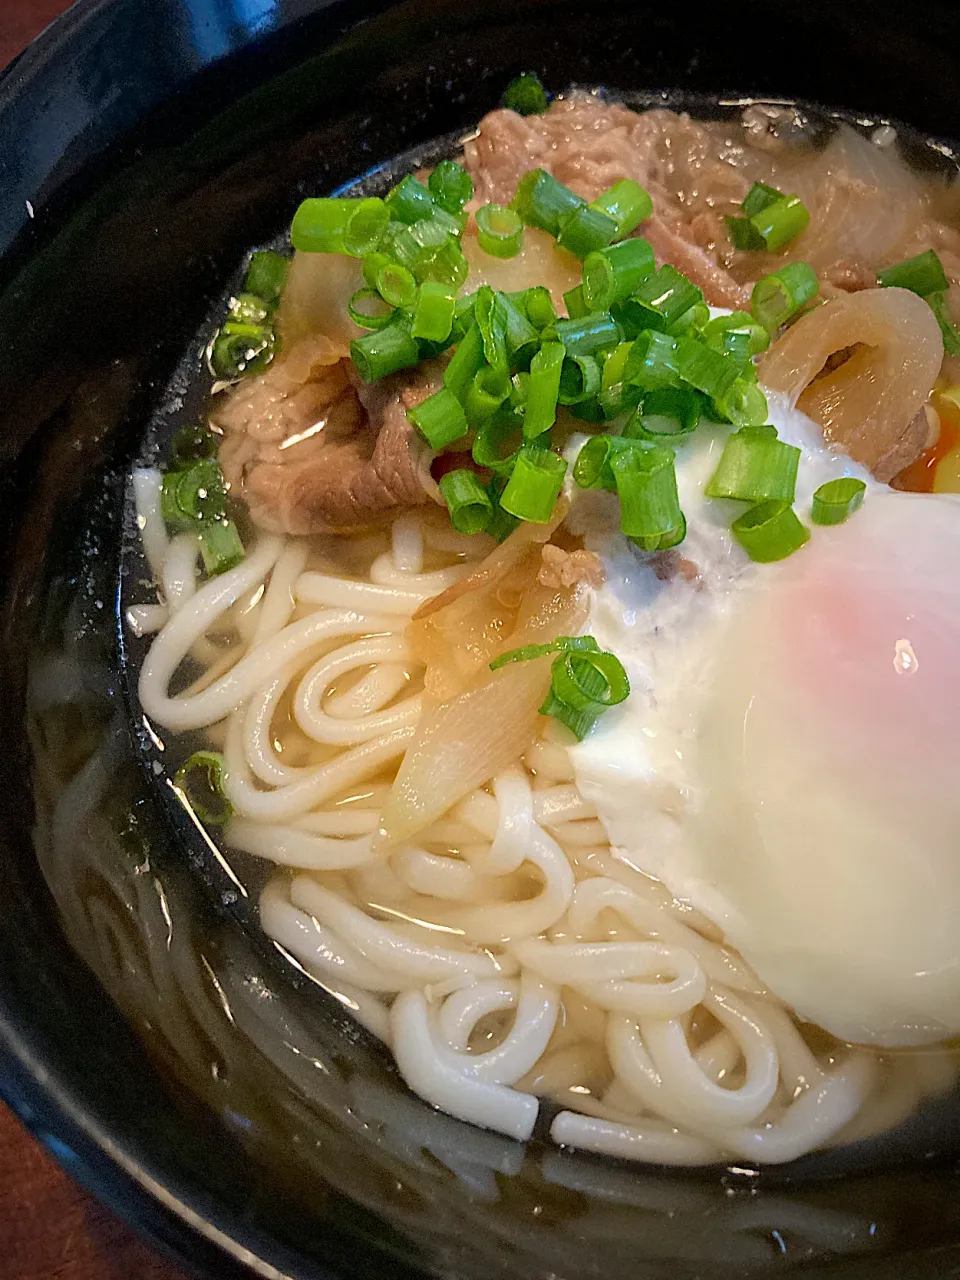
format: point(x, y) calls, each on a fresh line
point(869, 405)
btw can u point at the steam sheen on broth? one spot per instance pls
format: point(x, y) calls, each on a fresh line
point(719, 927)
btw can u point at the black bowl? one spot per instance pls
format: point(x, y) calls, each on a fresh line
point(237, 1118)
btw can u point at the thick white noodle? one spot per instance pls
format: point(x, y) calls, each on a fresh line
point(147, 482)
point(179, 574)
point(406, 544)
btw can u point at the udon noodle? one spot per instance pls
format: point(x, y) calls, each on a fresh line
point(506, 954)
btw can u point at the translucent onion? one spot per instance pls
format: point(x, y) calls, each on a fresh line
point(870, 405)
point(316, 299)
point(462, 743)
point(538, 262)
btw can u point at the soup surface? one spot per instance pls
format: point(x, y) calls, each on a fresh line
point(514, 600)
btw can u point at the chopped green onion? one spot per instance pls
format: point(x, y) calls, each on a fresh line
point(439, 419)
point(755, 466)
point(742, 404)
point(537, 305)
point(671, 539)
point(534, 485)
point(668, 411)
point(485, 395)
point(951, 338)
point(737, 322)
point(584, 230)
point(562, 644)
point(499, 231)
point(760, 197)
point(579, 379)
point(266, 275)
point(653, 361)
point(585, 335)
point(385, 351)
point(497, 441)
point(627, 203)
point(779, 296)
point(220, 546)
point(394, 283)
point(592, 468)
point(194, 495)
point(691, 323)
point(617, 395)
point(433, 313)
point(409, 201)
point(743, 234)
point(836, 500)
point(192, 444)
point(583, 685)
point(542, 201)
point(240, 349)
point(465, 363)
point(247, 308)
point(781, 222)
point(664, 297)
point(576, 303)
point(519, 387)
point(525, 95)
point(770, 531)
point(354, 227)
point(430, 250)
point(542, 391)
point(923, 274)
point(704, 368)
point(502, 523)
point(522, 337)
point(612, 274)
point(199, 780)
point(490, 313)
point(373, 319)
point(646, 481)
point(467, 501)
point(451, 186)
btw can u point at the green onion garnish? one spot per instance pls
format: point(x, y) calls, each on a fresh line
point(537, 305)
point(354, 227)
point(200, 781)
point(738, 323)
point(760, 197)
point(485, 395)
point(585, 335)
point(584, 230)
point(592, 467)
point(490, 313)
point(646, 481)
point(502, 523)
point(627, 203)
point(499, 231)
point(465, 363)
point(702, 367)
point(528, 652)
point(923, 274)
point(534, 485)
point(439, 419)
point(543, 202)
point(409, 201)
point(770, 531)
point(220, 546)
point(433, 313)
point(385, 351)
point(543, 391)
point(754, 466)
point(653, 361)
point(467, 501)
point(743, 404)
point(240, 349)
point(394, 283)
point(665, 297)
point(196, 494)
point(525, 95)
point(579, 379)
point(451, 186)
point(743, 234)
point(583, 685)
point(669, 411)
point(192, 444)
point(497, 441)
point(951, 338)
point(369, 310)
point(266, 275)
point(612, 274)
point(575, 303)
point(779, 296)
point(522, 337)
point(691, 323)
point(247, 308)
point(834, 501)
point(671, 539)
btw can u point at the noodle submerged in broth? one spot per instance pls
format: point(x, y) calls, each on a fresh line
point(521, 903)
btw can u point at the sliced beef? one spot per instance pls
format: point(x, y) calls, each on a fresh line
point(312, 450)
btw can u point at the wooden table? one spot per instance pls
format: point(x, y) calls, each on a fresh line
point(49, 1228)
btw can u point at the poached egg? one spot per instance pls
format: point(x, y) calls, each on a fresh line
point(788, 760)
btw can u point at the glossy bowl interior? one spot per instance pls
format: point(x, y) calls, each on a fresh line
point(236, 1115)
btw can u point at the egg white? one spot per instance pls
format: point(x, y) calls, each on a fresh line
point(682, 799)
